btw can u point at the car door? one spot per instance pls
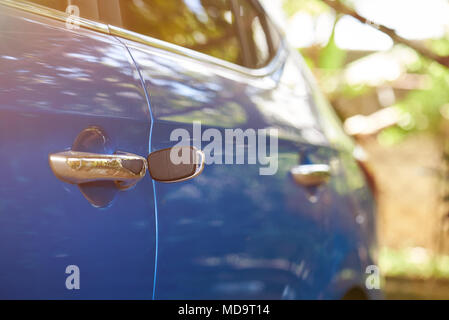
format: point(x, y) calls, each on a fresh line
point(233, 232)
point(71, 88)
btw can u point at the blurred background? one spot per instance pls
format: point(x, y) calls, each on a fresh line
point(384, 65)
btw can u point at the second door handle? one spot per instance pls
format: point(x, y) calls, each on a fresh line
point(311, 175)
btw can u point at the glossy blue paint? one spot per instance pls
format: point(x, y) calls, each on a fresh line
point(232, 233)
point(229, 233)
point(53, 84)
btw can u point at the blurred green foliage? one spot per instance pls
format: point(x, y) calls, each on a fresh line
point(312, 7)
point(331, 56)
point(413, 262)
point(422, 109)
point(439, 46)
point(425, 108)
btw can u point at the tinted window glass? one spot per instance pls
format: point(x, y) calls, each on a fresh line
point(207, 26)
point(87, 8)
point(60, 5)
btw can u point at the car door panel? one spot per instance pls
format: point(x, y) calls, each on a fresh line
point(230, 232)
point(54, 83)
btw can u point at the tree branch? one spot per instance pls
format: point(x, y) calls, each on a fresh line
point(341, 8)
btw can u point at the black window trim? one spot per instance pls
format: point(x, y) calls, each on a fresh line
point(272, 66)
point(243, 36)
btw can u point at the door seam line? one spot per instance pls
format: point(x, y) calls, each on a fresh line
point(156, 222)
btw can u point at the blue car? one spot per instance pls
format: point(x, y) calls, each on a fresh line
point(94, 97)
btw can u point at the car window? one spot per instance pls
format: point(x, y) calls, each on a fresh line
point(233, 30)
point(85, 8)
point(60, 5)
point(207, 26)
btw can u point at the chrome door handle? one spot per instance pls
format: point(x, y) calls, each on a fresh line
point(310, 175)
point(74, 167)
